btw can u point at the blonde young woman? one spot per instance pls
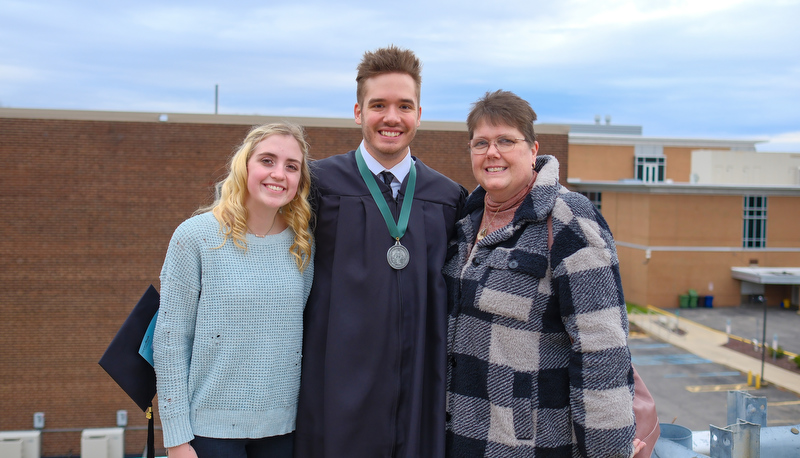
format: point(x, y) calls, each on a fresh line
point(227, 345)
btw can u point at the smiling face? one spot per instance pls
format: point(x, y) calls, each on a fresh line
point(503, 175)
point(273, 173)
point(388, 116)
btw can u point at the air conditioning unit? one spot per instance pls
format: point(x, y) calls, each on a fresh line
point(103, 443)
point(20, 444)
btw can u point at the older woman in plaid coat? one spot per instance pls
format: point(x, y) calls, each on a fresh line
point(538, 363)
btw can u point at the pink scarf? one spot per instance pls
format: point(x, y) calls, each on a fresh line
point(500, 214)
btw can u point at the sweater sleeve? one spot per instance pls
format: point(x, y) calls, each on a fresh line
point(589, 289)
point(174, 333)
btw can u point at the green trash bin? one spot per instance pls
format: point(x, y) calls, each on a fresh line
point(692, 299)
point(683, 300)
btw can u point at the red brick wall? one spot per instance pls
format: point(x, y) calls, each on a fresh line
point(445, 151)
point(556, 145)
point(88, 210)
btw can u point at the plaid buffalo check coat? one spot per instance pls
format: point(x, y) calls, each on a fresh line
point(538, 363)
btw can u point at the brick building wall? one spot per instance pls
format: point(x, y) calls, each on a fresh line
point(89, 205)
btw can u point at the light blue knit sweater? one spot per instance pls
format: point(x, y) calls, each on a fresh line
point(227, 344)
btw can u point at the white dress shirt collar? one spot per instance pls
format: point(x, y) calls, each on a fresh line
point(399, 171)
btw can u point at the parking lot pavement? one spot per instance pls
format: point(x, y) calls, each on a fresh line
point(691, 390)
point(747, 321)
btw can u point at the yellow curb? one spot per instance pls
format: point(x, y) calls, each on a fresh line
point(788, 354)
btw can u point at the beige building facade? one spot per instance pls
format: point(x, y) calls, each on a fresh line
point(674, 235)
point(745, 167)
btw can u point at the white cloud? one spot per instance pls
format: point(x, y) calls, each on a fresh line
point(677, 67)
point(786, 142)
point(787, 137)
point(10, 74)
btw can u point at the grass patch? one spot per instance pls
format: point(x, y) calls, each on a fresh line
point(778, 354)
point(635, 308)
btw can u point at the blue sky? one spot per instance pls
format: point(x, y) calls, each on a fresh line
point(702, 69)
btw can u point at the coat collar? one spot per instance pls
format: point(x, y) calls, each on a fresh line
point(539, 202)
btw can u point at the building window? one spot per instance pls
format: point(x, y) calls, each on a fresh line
point(755, 222)
point(650, 163)
point(650, 169)
point(596, 198)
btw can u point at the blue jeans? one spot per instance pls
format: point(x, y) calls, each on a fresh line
point(266, 447)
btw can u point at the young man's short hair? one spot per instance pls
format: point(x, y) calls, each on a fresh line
point(388, 60)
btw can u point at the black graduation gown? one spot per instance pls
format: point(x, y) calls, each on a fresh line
point(374, 352)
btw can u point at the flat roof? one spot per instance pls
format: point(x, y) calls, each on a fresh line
point(605, 129)
point(767, 275)
point(250, 120)
point(578, 138)
point(640, 187)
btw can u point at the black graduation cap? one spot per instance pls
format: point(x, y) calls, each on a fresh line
point(122, 360)
point(126, 366)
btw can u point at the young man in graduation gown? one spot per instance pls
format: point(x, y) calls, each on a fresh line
point(373, 371)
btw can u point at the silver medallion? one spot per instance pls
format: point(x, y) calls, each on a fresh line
point(397, 256)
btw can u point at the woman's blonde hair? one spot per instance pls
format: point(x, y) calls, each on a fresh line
point(230, 209)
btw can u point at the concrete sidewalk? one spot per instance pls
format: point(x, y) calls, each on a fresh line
point(747, 321)
point(709, 343)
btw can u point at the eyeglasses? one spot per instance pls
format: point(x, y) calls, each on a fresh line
point(480, 146)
